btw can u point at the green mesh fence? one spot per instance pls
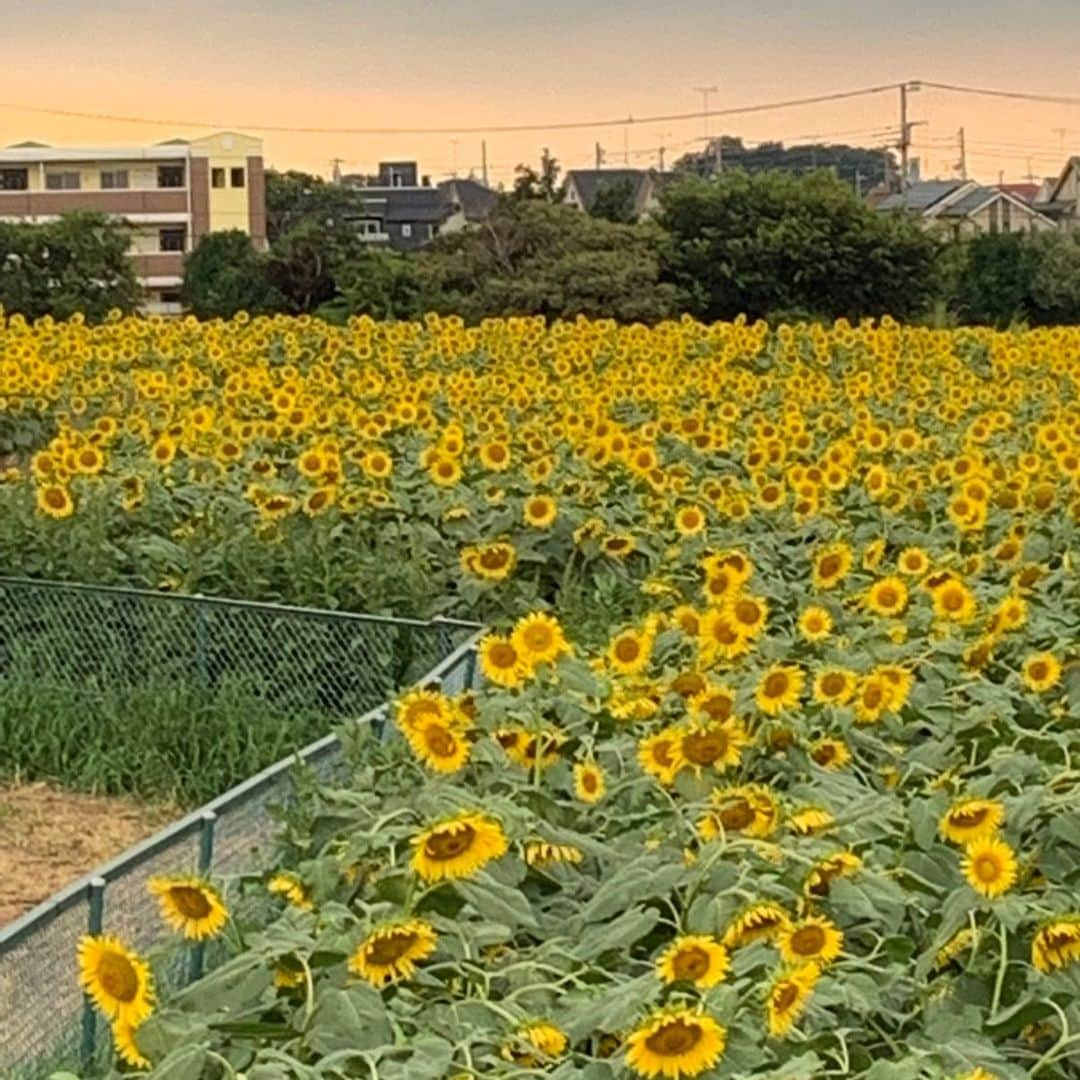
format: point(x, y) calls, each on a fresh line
point(98, 640)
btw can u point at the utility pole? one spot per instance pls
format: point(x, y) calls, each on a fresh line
point(858, 182)
point(483, 161)
point(905, 131)
point(454, 144)
point(963, 156)
point(662, 149)
point(336, 173)
point(705, 92)
point(599, 156)
point(1060, 133)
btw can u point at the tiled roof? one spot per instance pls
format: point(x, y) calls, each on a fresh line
point(920, 196)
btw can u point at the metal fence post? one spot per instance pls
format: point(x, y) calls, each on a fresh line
point(88, 1046)
point(470, 669)
point(202, 667)
point(197, 960)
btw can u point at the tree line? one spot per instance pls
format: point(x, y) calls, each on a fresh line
point(773, 244)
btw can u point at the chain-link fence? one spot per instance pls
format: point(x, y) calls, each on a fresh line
point(123, 637)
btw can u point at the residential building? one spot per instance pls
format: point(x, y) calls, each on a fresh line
point(400, 209)
point(1061, 199)
point(966, 208)
point(171, 194)
point(469, 203)
point(583, 186)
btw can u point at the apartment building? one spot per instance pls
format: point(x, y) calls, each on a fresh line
point(171, 194)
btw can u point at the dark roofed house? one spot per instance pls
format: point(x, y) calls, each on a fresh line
point(1062, 201)
point(967, 208)
point(401, 210)
point(469, 202)
point(583, 186)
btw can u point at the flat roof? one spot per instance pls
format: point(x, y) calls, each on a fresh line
point(31, 155)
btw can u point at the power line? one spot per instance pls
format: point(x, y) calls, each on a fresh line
point(983, 91)
point(493, 129)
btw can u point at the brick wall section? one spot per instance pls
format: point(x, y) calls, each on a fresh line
point(160, 201)
point(161, 265)
point(200, 198)
point(257, 202)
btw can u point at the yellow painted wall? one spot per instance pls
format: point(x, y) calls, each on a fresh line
point(141, 174)
point(229, 206)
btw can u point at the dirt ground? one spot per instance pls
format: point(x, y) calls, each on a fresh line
point(50, 837)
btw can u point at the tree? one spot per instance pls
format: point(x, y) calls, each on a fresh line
point(1055, 285)
point(773, 243)
point(615, 202)
point(532, 258)
point(225, 274)
point(302, 262)
point(991, 279)
point(378, 283)
point(78, 264)
point(530, 184)
point(294, 198)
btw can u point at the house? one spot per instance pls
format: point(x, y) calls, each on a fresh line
point(469, 203)
point(966, 208)
point(584, 185)
point(400, 209)
point(171, 194)
point(1062, 199)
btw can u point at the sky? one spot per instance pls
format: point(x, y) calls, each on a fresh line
point(200, 66)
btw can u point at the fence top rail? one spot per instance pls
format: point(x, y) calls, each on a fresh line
point(79, 891)
point(229, 603)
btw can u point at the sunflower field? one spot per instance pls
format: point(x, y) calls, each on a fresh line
point(773, 770)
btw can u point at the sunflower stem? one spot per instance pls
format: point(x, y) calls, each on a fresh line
point(1003, 963)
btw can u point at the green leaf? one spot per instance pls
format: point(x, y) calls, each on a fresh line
point(350, 1019)
point(623, 932)
point(498, 902)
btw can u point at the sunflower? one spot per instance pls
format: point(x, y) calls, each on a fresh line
point(529, 749)
point(589, 782)
point(779, 688)
point(835, 686)
point(888, 596)
point(458, 846)
point(492, 562)
point(190, 906)
point(534, 1043)
point(390, 952)
point(749, 809)
point(972, 819)
point(831, 566)
point(418, 707)
point(990, 866)
point(540, 511)
point(441, 746)
point(127, 1049)
point(815, 623)
point(913, 561)
point(618, 545)
point(720, 637)
point(500, 662)
point(55, 501)
point(689, 520)
point(696, 958)
point(873, 699)
point(1041, 671)
point(707, 700)
point(444, 471)
point(630, 651)
point(958, 943)
point(660, 756)
point(675, 1042)
point(748, 614)
point(1056, 943)
point(813, 940)
point(810, 820)
point(759, 921)
point(788, 996)
point(953, 601)
point(116, 979)
point(293, 889)
point(545, 853)
point(825, 871)
point(830, 754)
point(495, 456)
point(538, 639)
point(717, 744)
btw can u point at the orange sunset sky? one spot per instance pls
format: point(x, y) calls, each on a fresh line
point(476, 63)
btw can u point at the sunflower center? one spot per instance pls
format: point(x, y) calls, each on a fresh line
point(119, 978)
point(747, 612)
point(674, 1038)
point(887, 596)
point(494, 558)
point(953, 600)
point(824, 754)
point(785, 997)
point(440, 741)
point(627, 650)
point(690, 963)
point(389, 949)
point(589, 782)
point(808, 940)
point(443, 846)
point(969, 819)
point(872, 696)
point(661, 753)
point(829, 566)
point(738, 814)
point(192, 903)
point(538, 638)
point(1037, 670)
point(503, 655)
point(703, 748)
point(724, 635)
point(832, 684)
point(776, 685)
point(987, 868)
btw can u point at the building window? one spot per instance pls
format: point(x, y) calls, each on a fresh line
point(369, 227)
point(994, 222)
point(14, 179)
point(62, 181)
point(112, 179)
point(236, 177)
point(432, 231)
point(170, 176)
point(172, 239)
point(1006, 215)
point(170, 296)
point(217, 177)
point(406, 231)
